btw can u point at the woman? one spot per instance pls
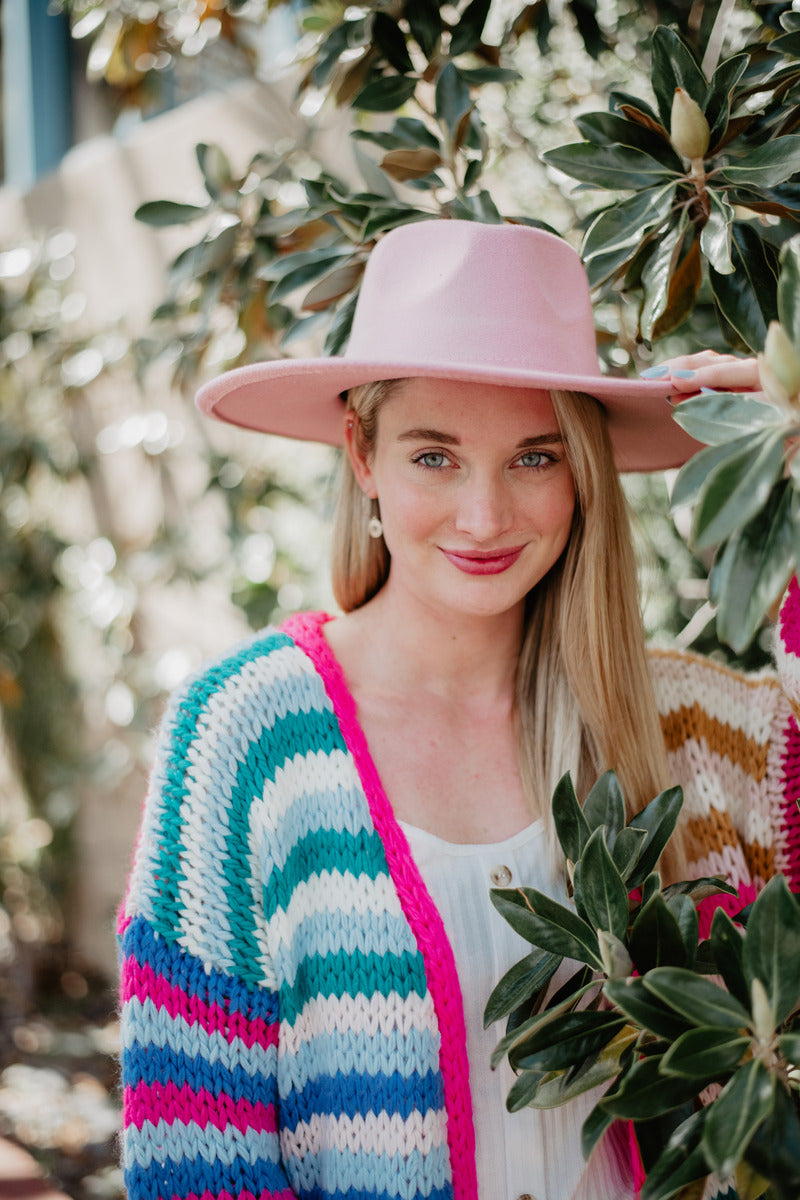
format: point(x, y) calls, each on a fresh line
point(308, 937)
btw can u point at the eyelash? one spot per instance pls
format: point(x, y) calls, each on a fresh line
point(547, 460)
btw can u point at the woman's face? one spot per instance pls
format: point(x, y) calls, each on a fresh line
point(475, 492)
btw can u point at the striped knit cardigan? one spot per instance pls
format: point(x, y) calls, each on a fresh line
point(291, 1015)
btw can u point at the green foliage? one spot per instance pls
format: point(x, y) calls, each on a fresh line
point(655, 1015)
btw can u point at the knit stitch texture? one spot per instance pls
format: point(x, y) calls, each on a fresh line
point(292, 1019)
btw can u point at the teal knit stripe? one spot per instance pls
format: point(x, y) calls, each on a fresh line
point(181, 730)
point(358, 853)
point(354, 974)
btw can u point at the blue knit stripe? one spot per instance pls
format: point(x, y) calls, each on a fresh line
point(324, 849)
point(163, 1161)
point(400, 1052)
point(155, 1036)
point(193, 976)
point(181, 728)
point(352, 975)
point(353, 1095)
point(414, 1175)
point(444, 1193)
point(153, 1065)
point(324, 933)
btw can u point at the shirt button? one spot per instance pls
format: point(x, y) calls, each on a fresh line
point(526, 1196)
point(501, 877)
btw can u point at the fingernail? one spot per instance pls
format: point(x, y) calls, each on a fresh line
point(655, 372)
point(708, 389)
point(682, 374)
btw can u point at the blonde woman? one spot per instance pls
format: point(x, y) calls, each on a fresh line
point(308, 937)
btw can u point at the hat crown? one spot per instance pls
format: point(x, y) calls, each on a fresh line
point(486, 296)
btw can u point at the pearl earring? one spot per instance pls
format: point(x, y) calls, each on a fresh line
point(374, 524)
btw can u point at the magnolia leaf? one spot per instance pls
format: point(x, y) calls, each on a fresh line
point(644, 1092)
point(635, 109)
point(547, 924)
point(657, 274)
point(705, 1053)
point(603, 892)
point(658, 819)
point(572, 828)
point(715, 238)
point(425, 22)
point(410, 164)
point(408, 132)
point(386, 94)
point(754, 567)
point(160, 213)
point(335, 285)
point(684, 284)
point(733, 1118)
point(737, 488)
point(621, 226)
point(524, 981)
point(685, 914)
point(390, 40)
point(565, 1087)
point(681, 1162)
point(692, 477)
point(772, 946)
point(727, 945)
point(674, 67)
point(655, 939)
point(697, 998)
point(766, 165)
point(620, 168)
point(608, 129)
point(339, 332)
point(789, 290)
point(593, 1129)
point(700, 889)
point(467, 33)
point(523, 1090)
point(717, 105)
point(774, 1149)
point(575, 1037)
point(627, 849)
point(605, 805)
point(716, 417)
point(452, 98)
point(747, 297)
point(645, 1009)
point(516, 1038)
point(216, 169)
point(475, 76)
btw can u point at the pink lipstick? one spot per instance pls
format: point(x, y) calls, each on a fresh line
point(483, 562)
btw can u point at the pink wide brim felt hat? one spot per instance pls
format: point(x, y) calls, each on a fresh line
point(461, 300)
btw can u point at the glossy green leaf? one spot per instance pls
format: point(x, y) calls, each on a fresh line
point(627, 849)
point(339, 332)
point(452, 98)
point(161, 213)
point(772, 946)
point(736, 489)
point(754, 566)
point(523, 1090)
point(692, 477)
point(655, 938)
point(727, 944)
point(644, 1092)
point(747, 297)
point(633, 108)
point(658, 819)
point(620, 168)
point(386, 94)
point(717, 417)
point(568, 1042)
point(620, 226)
point(657, 275)
point(609, 129)
point(604, 894)
point(733, 1118)
point(789, 1046)
point(572, 828)
point(674, 66)
point(681, 1162)
point(425, 22)
point(685, 914)
point(717, 103)
point(525, 980)
point(696, 998)
point(605, 805)
point(701, 888)
point(705, 1053)
point(298, 270)
point(547, 924)
point(789, 289)
point(476, 76)
point(645, 1009)
point(408, 132)
point(715, 238)
point(467, 33)
point(766, 165)
point(390, 40)
point(532, 1027)
point(593, 1129)
point(774, 1149)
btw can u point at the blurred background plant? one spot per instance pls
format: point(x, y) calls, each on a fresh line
point(680, 214)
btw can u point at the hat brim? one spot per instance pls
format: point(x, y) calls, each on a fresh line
point(301, 398)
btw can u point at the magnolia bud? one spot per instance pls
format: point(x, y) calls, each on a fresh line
point(782, 359)
point(689, 131)
point(613, 955)
point(763, 1016)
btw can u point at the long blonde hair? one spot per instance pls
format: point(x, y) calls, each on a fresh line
point(584, 698)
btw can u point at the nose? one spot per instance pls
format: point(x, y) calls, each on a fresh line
point(484, 508)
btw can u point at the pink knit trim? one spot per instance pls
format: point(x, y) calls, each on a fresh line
point(147, 1104)
point(791, 795)
point(418, 907)
point(789, 620)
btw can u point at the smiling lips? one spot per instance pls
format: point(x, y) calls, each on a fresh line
point(483, 562)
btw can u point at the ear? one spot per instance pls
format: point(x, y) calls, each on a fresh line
point(361, 464)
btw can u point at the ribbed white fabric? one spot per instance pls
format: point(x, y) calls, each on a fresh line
point(532, 1153)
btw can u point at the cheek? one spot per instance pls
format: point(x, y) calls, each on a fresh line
point(555, 510)
point(407, 512)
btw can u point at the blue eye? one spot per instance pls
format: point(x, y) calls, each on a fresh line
point(534, 458)
point(431, 459)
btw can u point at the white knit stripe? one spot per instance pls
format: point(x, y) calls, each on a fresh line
point(339, 893)
point(376, 1015)
point(377, 1133)
point(788, 665)
point(236, 715)
point(148, 1025)
point(711, 780)
point(746, 706)
point(730, 862)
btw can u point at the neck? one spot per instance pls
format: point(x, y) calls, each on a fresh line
point(411, 646)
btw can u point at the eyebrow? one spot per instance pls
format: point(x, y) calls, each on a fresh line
point(449, 439)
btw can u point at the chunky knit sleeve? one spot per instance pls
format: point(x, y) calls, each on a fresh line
point(198, 996)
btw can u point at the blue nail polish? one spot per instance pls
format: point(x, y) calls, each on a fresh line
point(708, 389)
point(682, 374)
point(655, 372)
